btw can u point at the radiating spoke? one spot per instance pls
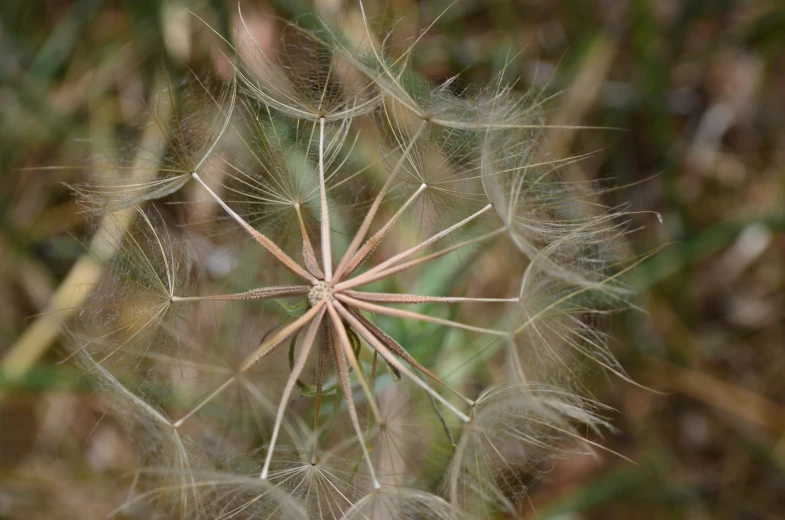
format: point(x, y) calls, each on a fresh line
point(325, 345)
point(372, 243)
point(343, 341)
point(416, 298)
point(305, 349)
point(346, 387)
point(409, 315)
point(375, 277)
point(262, 293)
point(392, 360)
point(263, 240)
point(400, 257)
point(358, 238)
point(327, 253)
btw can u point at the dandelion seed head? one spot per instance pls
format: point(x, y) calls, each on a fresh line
point(293, 381)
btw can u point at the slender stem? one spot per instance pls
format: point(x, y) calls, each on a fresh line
point(409, 252)
point(327, 253)
point(358, 238)
point(409, 315)
point(343, 340)
point(262, 293)
point(264, 241)
point(374, 241)
point(392, 360)
point(305, 349)
point(416, 298)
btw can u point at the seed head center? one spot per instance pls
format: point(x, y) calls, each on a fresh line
point(321, 291)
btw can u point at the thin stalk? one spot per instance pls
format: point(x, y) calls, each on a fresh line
point(343, 376)
point(416, 298)
point(327, 253)
point(310, 335)
point(321, 373)
point(409, 315)
point(343, 340)
point(262, 293)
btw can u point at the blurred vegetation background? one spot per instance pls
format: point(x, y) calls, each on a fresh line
point(698, 89)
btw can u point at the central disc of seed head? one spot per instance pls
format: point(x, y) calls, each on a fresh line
point(321, 290)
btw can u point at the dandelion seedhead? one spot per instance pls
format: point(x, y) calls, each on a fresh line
point(353, 215)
